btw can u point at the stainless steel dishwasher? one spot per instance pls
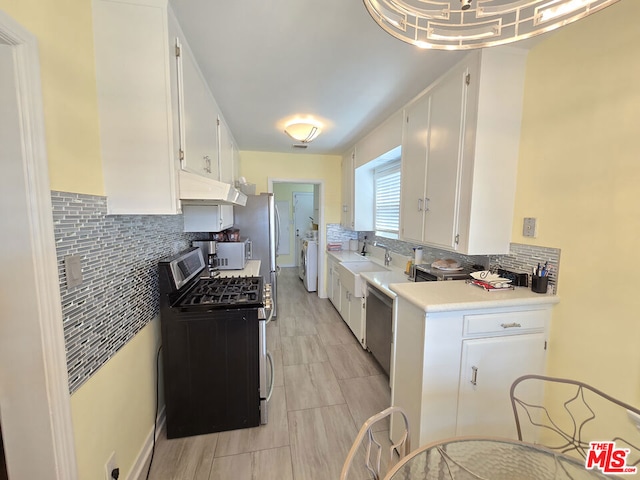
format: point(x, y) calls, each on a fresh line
point(379, 326)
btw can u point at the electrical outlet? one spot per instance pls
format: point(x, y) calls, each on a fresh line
point(110, 466)
point(529, 227)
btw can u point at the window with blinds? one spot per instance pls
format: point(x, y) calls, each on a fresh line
point(386, 180)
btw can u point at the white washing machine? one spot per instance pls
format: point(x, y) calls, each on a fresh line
point(308, 269)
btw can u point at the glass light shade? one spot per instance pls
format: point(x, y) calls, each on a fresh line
point(446, 25)
point(302, 131)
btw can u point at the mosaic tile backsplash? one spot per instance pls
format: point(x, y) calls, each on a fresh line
point(119, 258)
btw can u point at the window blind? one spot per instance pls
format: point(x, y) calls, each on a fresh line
point(387, 198)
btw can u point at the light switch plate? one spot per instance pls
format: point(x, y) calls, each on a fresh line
point(73, 269)
point(529, 227)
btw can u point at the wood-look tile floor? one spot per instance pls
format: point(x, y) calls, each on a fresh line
point(326, 386)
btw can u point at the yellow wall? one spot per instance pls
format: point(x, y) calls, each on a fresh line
point(65, 41)
point(114, 410)
point(258, 167)
point(578, 174)
point(284, 192)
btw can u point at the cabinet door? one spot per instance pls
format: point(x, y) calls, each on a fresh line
point(336, 298)
point(198, 119)
point(226, 216)
point(414, 158)
point(344, 304)
point(133, 60)
point(207, 218)
point(347, 217)
point(356, 322)
point(489, 367)
point(444, 159)
point(226, 153)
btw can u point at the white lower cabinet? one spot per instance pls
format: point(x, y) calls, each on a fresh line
point(349, 306)
point(334, 284)
point(489, 367)
point(356, 317)
point(453, 369)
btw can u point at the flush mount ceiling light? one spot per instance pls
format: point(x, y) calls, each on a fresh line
point(467, 24)
point(302, 131)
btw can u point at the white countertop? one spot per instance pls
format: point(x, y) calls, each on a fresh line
point(382, 280)
point(459, 295)
point(251, 269)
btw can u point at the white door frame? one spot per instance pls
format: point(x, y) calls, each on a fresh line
point(54, 444)
point(296, 230)
point(322, 290)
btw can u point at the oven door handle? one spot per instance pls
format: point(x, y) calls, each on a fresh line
point(273, 376)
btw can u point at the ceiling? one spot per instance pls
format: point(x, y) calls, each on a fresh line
point(266, 61)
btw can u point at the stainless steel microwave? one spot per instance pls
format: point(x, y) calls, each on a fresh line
point(233, 255)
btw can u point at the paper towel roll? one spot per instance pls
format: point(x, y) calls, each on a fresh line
point(418, 255)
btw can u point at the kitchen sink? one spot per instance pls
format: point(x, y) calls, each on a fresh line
point(350, 274)
point(366, 266)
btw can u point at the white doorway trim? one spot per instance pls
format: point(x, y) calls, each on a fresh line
point(54, 443)
point(322, 290)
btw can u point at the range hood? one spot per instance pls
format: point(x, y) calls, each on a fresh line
point(199, 190)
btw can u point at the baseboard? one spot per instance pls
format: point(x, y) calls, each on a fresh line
point(140, 464)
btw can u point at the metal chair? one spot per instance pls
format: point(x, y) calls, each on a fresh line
point(401, 448)
point(585, 415)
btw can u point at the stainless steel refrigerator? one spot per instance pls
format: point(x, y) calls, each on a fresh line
point(259, 221)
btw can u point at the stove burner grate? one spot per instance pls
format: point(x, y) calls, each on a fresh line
point(224, 291)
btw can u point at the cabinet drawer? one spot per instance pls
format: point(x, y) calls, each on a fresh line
point(505, 323)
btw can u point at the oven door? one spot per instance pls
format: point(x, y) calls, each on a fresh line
point(267, 373)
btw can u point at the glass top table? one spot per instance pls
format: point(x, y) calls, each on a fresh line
point(489, 459)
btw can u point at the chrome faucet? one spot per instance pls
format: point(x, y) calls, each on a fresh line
point(387, 254)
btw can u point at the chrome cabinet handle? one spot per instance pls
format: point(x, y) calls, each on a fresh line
point(426, 204)
point(474, 376)
point(510, 325)
point(419, 204)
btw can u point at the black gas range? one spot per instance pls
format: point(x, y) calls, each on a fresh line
point(214, 348)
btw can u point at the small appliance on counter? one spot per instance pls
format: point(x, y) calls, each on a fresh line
point(208, 248)
point(233, 255)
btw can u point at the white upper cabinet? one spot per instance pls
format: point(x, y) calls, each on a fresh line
point(227, 157)
point(133, 66)
point(460, 153)
point(157, 115)
point(414, 168)
point(346, 216)
point(198, 116)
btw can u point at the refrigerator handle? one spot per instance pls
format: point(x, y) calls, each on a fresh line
point(277, 218)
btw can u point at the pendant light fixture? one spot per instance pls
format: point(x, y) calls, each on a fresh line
point(302, 131)
point(467, 24)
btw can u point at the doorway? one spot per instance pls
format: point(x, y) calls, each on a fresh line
point(34, 401)
point(302, 218)
point(309, 195)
